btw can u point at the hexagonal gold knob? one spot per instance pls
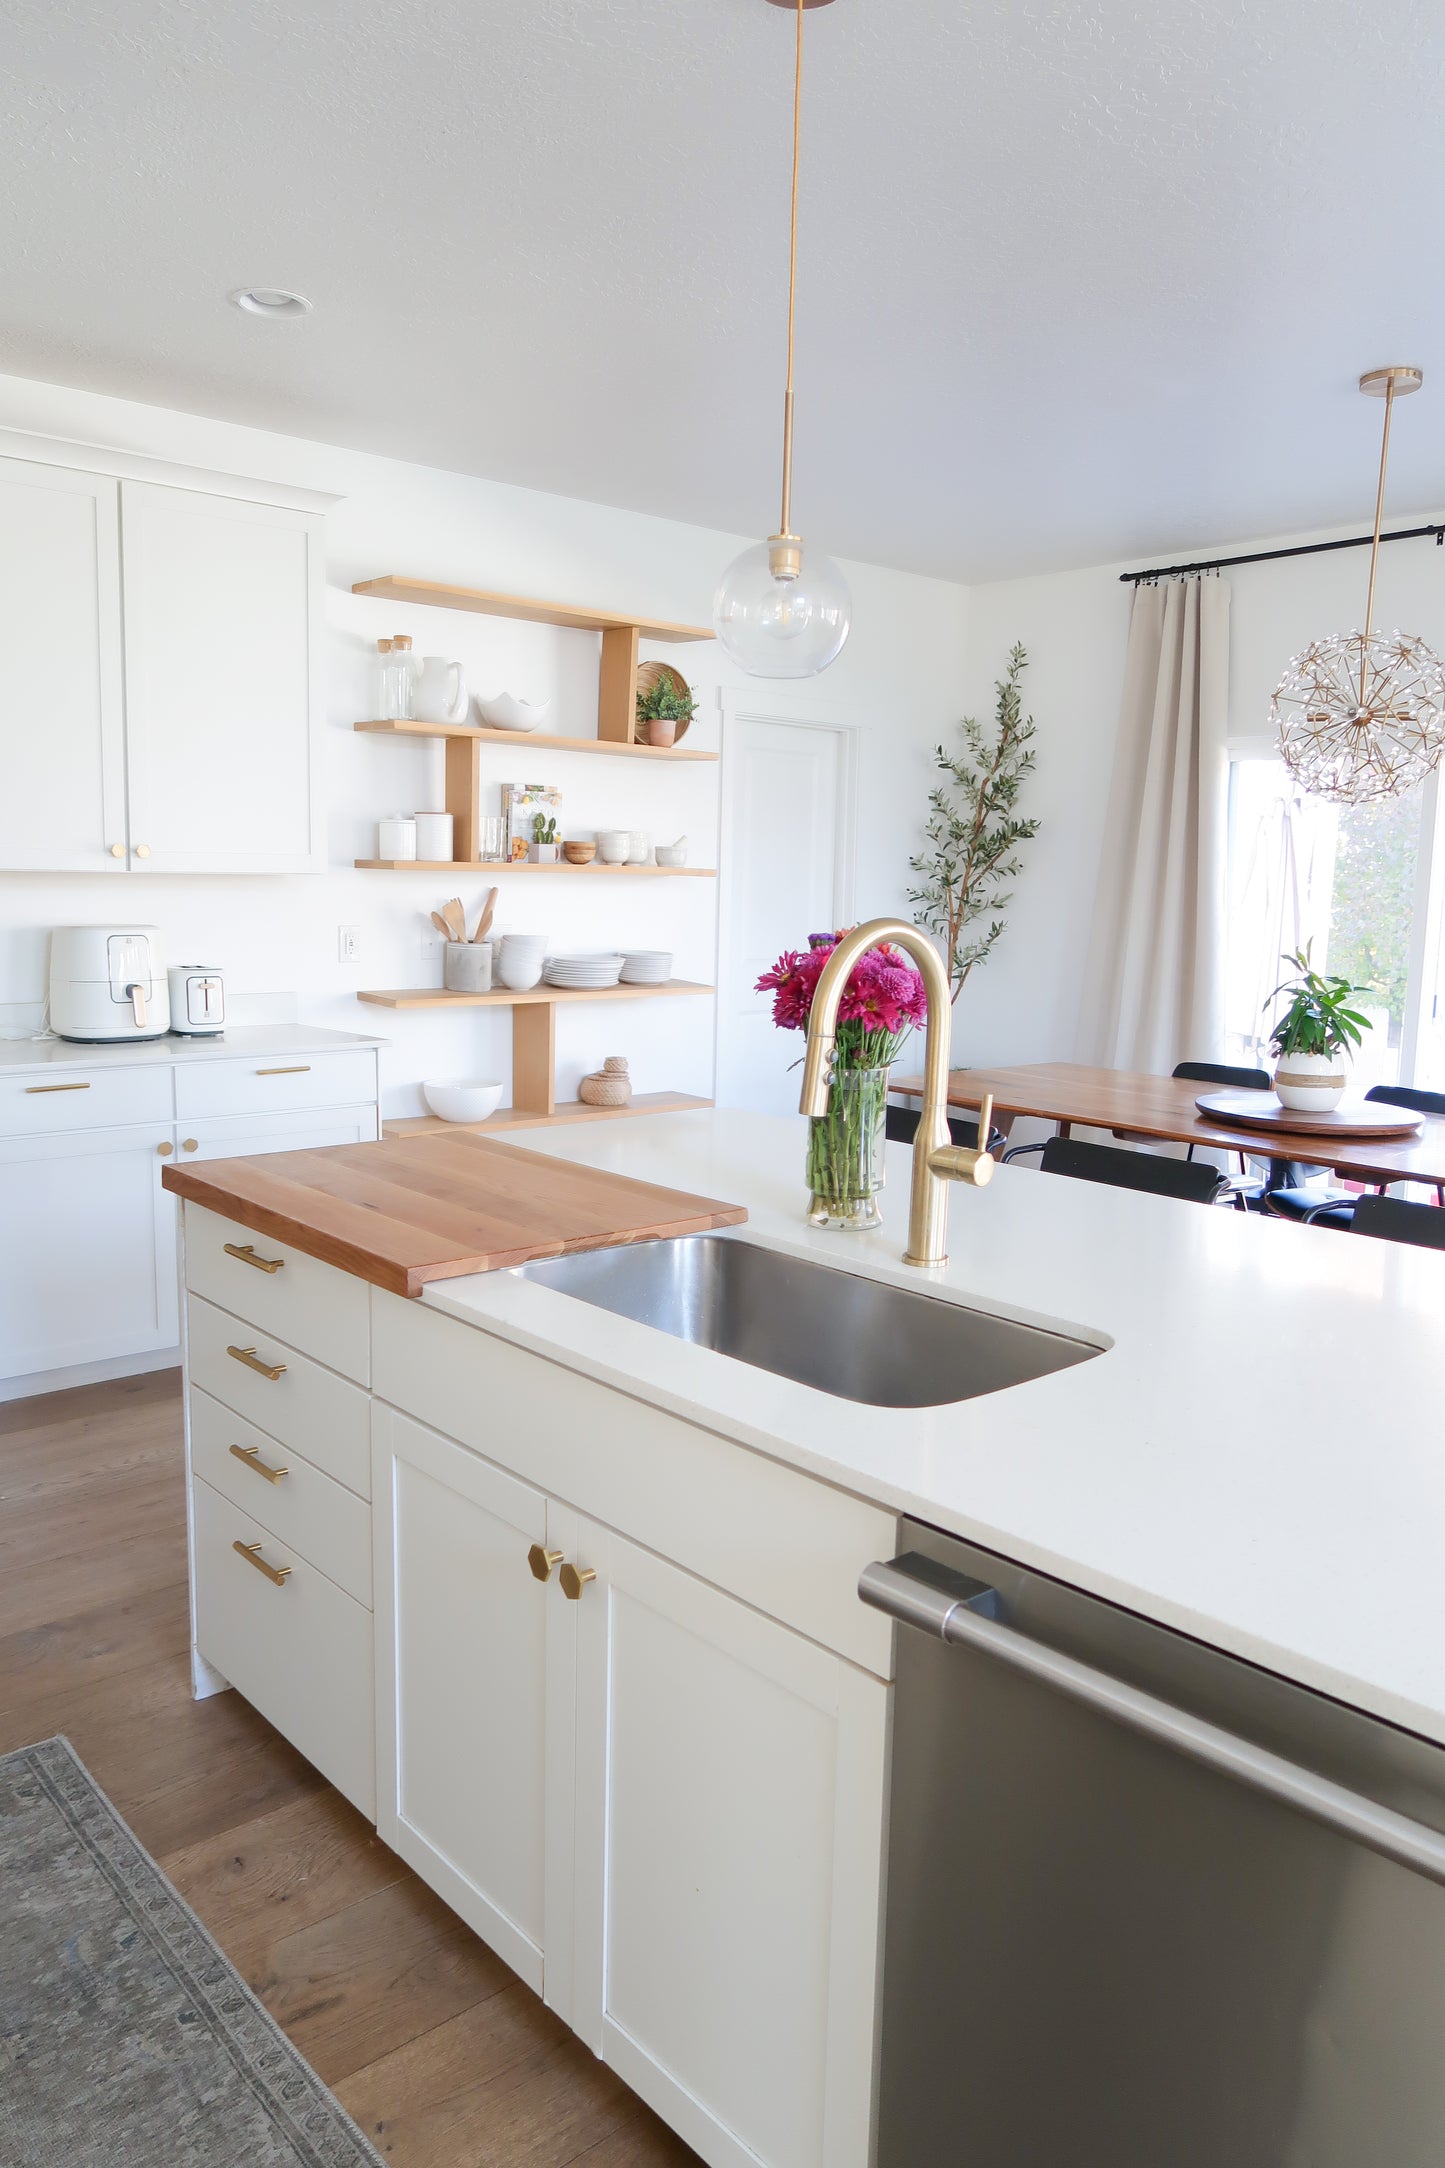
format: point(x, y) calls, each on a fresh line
point(542, 1562)
point(574, 1579)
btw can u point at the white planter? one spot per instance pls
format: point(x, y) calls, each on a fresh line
point(1311, 1083)
point(544, 854)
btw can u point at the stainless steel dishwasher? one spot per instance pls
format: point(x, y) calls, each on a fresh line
point(1148, 1906)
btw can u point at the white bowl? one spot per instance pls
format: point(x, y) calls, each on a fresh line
point(613, 845)
point(503, 711)
point(461, 1098)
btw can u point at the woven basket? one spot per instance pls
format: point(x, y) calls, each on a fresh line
point(598, 1090)
point(650, 675)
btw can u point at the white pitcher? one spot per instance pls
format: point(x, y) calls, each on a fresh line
point(441, 691)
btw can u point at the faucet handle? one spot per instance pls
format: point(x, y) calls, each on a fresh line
point(967, 1163)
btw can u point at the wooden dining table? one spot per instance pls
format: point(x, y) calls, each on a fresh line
point(1163, 1109)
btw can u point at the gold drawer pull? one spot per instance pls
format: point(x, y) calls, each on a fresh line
point(246, 1251)
point(252, 1360)
point(542, 1561)
point(251, 1552)
point(298, 1068)
point(32, 1089)
point(251, 1455)
point(574, 1579)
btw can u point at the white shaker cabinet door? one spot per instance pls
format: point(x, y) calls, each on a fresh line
point(62, 730)
point(468, 1645)
point(88, 1263)
point(223, 614)
point(242, 1136)
point(730, 1782)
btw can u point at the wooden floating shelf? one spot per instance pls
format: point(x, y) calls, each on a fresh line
point(571, 1110)
point(524, 865)
point(395, 587)
point(520, 740)
point(437, 997)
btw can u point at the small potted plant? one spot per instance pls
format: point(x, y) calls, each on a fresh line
point(1314, 1037)
point(665, 707)
point(544, 850)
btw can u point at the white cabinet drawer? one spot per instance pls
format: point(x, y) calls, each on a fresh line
point(272, 1082)
point(299, 1129)
point(299, 1649)
point(784, 1542)
point(320, 1519)
point(41, 1100)
point(309, 1408)
point(314, 1307)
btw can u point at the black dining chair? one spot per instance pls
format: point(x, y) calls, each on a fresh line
point(1336, 1208)
point(1243, 1189)
point(1391, 1219)
point(1192, 1180)
point(900, 1126)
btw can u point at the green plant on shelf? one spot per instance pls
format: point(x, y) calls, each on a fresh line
point(544, 830)
point(668, 701)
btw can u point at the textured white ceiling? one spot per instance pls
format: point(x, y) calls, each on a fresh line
point(1078, 281)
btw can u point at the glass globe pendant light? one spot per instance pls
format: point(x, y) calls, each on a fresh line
point(781, 611)
point(1361, 715)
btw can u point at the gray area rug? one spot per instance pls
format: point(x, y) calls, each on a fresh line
point(126, 2039)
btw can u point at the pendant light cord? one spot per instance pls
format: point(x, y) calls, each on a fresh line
point(792, 282)
point(1375, 542)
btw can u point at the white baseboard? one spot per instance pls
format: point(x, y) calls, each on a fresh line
point(117, 1366)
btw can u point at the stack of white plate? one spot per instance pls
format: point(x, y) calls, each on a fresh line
point(647, 967)
point(582, 974)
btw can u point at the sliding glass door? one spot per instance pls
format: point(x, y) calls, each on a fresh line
point(1359, 885)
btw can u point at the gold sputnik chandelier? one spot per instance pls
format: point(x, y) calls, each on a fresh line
point(1361, 715)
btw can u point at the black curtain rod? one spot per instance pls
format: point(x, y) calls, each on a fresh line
point(1264, 557)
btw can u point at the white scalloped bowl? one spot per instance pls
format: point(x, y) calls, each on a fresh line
point(503, 711)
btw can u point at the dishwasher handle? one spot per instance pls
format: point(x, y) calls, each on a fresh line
point(967, 1622)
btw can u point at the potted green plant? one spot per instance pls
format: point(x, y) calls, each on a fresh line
point(545, 849)
point(665, 705)
point(1314, 1037)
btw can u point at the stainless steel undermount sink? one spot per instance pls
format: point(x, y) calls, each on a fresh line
point(858, 1339)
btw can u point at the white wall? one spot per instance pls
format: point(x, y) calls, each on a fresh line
point(897, 683)
point(1023, 1005)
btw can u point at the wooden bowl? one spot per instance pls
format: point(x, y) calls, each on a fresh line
point(649, 676)
point(579, 854)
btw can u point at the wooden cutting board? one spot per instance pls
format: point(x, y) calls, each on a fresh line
point(414, 1209)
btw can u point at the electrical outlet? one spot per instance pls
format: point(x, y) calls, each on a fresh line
point(430, 947)
point(348, 944)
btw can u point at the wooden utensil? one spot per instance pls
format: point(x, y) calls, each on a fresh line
point(442, 925)
point(455, 917)
point(484, 922)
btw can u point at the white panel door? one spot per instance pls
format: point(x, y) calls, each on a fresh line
point(88, 1264)
point(240, 1136)
point(223, 609)
point(466, 1653)
point(730, 1782)
point(787, 873)
point(62, 731)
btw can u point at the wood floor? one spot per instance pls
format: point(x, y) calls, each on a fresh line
point(441, 2054)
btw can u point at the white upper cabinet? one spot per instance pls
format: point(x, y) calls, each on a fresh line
point(223, 608)
point(62, 724)
point(160, 707)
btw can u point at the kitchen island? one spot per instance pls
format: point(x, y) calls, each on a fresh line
point(570, 1604)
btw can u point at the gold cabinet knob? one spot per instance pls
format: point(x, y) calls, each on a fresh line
point(117, 850)
point(542, 1562)
point(142, 850)
point(574, 1579)
point(164, 1150)
point(189, 1144)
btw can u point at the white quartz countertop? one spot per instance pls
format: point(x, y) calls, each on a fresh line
point(242, 1040)
point(1257, 1459)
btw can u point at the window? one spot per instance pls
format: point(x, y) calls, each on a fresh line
point(1352, 881)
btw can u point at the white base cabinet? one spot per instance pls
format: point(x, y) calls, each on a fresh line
point(662, 1808)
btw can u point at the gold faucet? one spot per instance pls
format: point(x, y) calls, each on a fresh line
point(936, 1161)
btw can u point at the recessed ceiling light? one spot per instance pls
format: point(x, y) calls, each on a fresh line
point(270, 301)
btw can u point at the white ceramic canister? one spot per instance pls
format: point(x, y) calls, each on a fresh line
point(434, 838)
point(467, 967)
point(396, 836)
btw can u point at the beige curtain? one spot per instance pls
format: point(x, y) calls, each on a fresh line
point(1154, 988)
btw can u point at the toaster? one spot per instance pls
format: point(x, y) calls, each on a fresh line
point(198, 1000)
point(108, 982)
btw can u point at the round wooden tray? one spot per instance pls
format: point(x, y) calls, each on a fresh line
point(1261, 1110)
